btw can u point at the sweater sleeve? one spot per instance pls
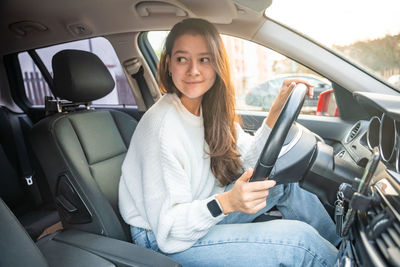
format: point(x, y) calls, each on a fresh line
point(249, 146)
point(183, 220)
point(176, 218)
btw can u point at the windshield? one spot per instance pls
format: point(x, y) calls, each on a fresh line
point(365, 32)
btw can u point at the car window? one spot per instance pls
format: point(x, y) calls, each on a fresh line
point(36, 88)
point(366, 34)
point(258, 74)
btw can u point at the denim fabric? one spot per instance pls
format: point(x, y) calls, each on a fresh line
point(305, 237)
point(144, 238)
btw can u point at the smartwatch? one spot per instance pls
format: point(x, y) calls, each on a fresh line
point(214, 208)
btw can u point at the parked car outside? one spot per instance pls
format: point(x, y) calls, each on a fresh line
point(263, 95)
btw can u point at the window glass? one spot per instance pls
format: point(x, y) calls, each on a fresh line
point(363, 31)
point(36, 88)
point(258, 74)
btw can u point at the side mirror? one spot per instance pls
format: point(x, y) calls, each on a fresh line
point(327, 104)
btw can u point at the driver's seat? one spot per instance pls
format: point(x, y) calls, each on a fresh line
point(81, 152)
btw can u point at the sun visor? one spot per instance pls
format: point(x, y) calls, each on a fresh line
point(189, 9)
point(257, 6)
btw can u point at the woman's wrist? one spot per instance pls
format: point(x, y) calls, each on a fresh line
point(275, 110)
point(225, 203)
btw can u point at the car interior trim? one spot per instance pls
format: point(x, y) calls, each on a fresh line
point(373, 132)
point(387, 138)
point(285, 149)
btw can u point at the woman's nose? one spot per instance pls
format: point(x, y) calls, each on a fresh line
point(193, 69)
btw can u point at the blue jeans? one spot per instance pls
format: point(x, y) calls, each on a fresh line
point(305, 237)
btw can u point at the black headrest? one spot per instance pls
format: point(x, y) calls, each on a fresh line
point(80, 76)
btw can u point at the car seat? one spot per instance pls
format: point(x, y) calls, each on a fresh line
point(81, 151)
point(17, 249)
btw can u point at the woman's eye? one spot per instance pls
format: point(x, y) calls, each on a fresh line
point(181, 59)
point(205, 59)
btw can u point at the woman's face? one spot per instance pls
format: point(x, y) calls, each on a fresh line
point(190, 66)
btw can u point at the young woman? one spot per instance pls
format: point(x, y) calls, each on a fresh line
point(183, 187)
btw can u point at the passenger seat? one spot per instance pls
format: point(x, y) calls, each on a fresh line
point(81, 151)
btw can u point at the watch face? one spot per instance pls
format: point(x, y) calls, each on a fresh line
point(214, 208)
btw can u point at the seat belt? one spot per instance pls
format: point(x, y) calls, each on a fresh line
point(135, 69)
point(26, 172)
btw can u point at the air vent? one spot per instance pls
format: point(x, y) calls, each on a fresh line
point(353, 132)
point(384, 231)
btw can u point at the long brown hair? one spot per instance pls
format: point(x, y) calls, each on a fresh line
point(218, 103)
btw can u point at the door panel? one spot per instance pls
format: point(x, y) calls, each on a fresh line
point(329, 128)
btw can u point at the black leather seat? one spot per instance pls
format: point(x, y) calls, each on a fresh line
point(69, 248)
point(81, 152)
point(16, 247)
point(18, 250)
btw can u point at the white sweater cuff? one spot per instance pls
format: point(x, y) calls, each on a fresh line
point(263, 132)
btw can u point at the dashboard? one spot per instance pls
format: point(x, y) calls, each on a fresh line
point(374, 238)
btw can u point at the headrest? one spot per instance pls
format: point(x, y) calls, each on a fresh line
point(80, 76)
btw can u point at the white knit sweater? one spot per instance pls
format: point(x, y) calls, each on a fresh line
point(166, 179)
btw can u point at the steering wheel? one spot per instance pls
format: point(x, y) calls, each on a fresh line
point(277, 137)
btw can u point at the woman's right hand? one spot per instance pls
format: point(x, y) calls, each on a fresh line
point(287, 87)
point(245, 196)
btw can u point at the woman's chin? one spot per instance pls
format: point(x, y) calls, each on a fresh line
point(192, 94)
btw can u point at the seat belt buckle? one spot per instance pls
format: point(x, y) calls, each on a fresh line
point(29, 180)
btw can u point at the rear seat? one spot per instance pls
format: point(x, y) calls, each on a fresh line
point(32, 205)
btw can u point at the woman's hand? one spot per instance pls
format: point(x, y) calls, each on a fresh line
point(280, 100)
point(244, 196)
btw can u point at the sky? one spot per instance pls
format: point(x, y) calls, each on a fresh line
point(339, 22)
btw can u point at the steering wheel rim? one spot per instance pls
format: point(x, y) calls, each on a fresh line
point(278, 134)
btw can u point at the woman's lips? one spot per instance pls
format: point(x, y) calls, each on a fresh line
point(192, 82)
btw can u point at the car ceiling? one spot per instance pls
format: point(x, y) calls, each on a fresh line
point(31, 24)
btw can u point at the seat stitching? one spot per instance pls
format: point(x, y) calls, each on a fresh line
point(119, 130)
point(80, 142)
point(100, 161)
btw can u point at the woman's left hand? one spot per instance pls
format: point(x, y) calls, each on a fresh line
point(280, 100)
